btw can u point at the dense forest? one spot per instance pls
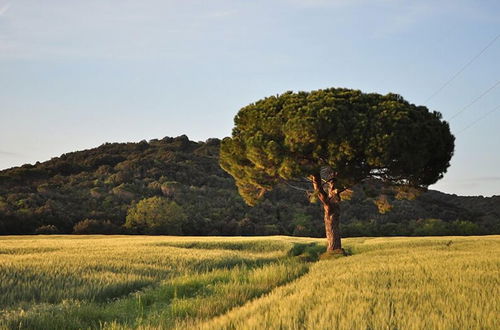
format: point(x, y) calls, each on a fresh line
point(123, 187)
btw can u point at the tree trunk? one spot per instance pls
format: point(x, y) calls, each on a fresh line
point(332, 228)
point(330, 198)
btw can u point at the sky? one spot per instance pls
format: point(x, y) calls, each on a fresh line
point(76, 74)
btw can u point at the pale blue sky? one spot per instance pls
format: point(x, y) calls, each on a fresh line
point(76, 74)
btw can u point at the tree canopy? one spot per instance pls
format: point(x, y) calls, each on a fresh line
point(336, 137)
point(156, 215)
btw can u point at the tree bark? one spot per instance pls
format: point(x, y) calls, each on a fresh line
point(331, 206)
point(332, 226)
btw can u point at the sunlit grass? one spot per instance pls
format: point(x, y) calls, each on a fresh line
point(75, 282)
point(390, 283)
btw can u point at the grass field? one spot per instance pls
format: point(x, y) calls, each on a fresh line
point(74, 282)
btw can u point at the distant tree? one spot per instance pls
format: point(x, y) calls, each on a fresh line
point(156, 215)
point(47, 230)
point(431, 227)
point(334, 139)
point(245, 227)
point(92, 226)
point(463, 227)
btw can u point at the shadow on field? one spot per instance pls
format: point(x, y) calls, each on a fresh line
point(252, 245)
point(307, 252)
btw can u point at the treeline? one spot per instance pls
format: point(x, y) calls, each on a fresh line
point(124, 187)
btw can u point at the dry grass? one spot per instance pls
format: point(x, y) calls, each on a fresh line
point(390, 283)
point(75, 281)
point(63, 282)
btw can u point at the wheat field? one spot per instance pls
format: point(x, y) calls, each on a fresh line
point(153, 282)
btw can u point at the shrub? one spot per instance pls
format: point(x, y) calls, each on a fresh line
point(47, 230)
point(91, 226)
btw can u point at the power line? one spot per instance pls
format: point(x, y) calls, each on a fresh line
point(479, 119)
point(475, 100)
point(462, 69)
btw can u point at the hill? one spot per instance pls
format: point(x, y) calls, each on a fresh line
point(90, 191)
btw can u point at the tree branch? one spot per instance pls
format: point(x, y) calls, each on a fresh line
point(295, 187)
point(318, 186)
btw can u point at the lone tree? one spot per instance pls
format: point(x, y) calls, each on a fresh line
point(335, 138)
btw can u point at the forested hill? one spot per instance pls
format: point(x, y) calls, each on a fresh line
point(91, 191)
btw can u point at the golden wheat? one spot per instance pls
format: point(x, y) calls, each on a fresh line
point(390, 283)
point(75, 282)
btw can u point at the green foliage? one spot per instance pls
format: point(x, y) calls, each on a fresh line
point(463, 227)
point(306, 251)
point(303, 224)
point(356, 135)
point(156, 215)
point(432, 227)
point(114, 177)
